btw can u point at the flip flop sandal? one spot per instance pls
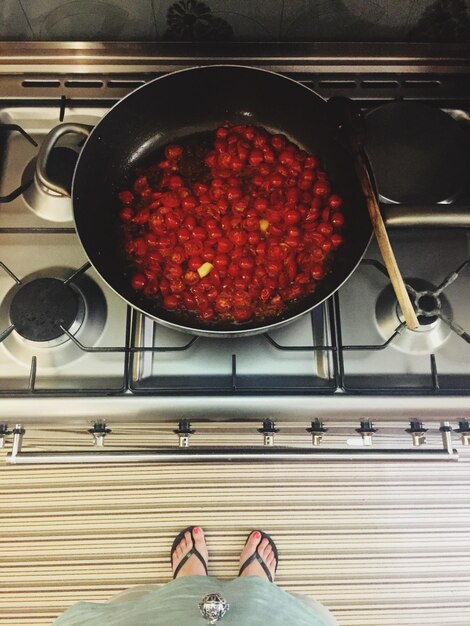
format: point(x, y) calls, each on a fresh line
point(256, 555)
point(187, 556)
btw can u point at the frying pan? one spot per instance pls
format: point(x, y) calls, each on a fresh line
point(176, 106)
point(418, 153)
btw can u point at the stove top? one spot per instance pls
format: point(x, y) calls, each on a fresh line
point(65, 333)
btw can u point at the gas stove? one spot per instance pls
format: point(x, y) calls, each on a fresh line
point(72, 351)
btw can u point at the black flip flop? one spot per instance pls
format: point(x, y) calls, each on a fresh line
point(256, 556)
point(192, 552)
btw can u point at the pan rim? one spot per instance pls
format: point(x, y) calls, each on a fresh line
point(194, 330)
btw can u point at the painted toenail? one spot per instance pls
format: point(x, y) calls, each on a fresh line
point(196, 530)
point(257, 535)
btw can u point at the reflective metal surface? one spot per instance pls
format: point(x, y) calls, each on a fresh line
point(432, 331)
point(213, 607)
point(102, 320)
point(432, 216)
point(231, 455)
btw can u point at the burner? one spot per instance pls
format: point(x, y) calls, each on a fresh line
point(432, 331)
point(46, 203)
point(41, 306)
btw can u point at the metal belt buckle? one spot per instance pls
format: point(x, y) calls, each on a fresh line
point(213, 607)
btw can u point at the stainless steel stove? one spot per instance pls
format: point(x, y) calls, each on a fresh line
point(350, 358)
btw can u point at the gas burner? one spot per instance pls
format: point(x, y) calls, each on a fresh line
point(44, 202)
point(39, 309)
point(429, 304)
point(42, 306)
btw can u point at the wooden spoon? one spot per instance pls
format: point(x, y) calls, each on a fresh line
point(352, 125)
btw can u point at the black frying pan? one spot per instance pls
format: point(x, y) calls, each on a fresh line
point(418, 153)
point(181, 104)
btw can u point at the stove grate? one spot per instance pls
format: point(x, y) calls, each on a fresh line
point(24, 186)
point(428, 315)
point(41, 287)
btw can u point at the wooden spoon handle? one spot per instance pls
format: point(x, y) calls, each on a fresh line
point(384, 243)
point(348, 118)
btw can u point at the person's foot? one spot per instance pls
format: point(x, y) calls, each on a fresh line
point(193, 565)
point(265, 552)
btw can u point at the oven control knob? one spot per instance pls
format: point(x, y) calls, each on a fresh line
point(268, 431)
point(4, 432)
point(317, 430)
point(184, 432)
point(99, 432)
point(366, 431)
point(417, 432)
point(464, 431)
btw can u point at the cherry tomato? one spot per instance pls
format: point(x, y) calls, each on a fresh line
point(173, 152)
point(337, 219)
point(261, 221)
point(335, 202)
point(242, 314)
point(138, 281)
point(238, 237)
point(318, 271)
point(126, 197)
point(292, 217)
point(170, 302)
point(171, 200)
point(255, 157)
point(126, 214)
point(321, 188)
point(336, 240)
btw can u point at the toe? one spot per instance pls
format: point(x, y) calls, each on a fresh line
point(268, 550)
point(250, 546)
point(271, 560)
point(263, 547)
point(199, 539)
point(253, 540)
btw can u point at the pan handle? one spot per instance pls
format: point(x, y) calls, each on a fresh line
point(45, 150)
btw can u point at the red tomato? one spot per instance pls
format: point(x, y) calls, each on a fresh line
point(337, 219)
point(126, 214)
point(292, 217)
point(321, 188)
point(318, 271)
point(261, 221)
point(173, 151)
point(238, 237)
point(171, 302)
point(242, 314)
point(138, 281)
point(126, 197)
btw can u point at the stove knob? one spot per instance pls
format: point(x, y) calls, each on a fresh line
point(99, 432)
point(4, 432)
point(268, 431)
point(184, 432)
point(317, 430)
point(366, 431)
point(417, 432)
point(464, 431)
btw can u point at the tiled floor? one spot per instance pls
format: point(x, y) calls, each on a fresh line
point(378, 544)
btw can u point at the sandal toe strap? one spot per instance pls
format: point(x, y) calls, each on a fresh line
point(193, 552)
point(256, 557)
